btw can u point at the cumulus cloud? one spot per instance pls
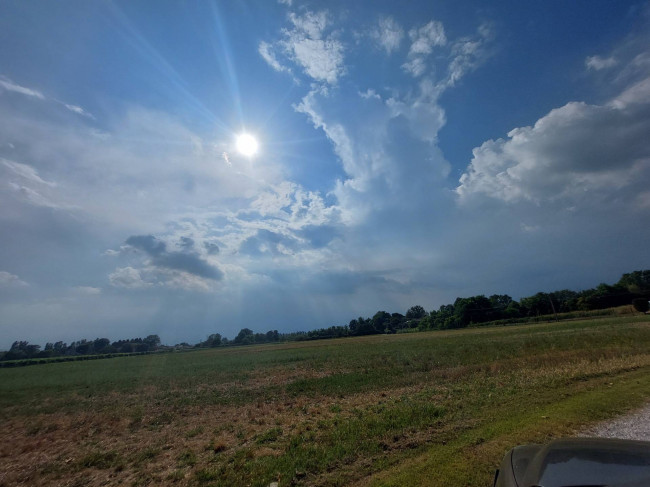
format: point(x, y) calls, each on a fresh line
point(127, 277)
point(388, 34)
point(382, 144)
point(308, 44)
point(572, 151)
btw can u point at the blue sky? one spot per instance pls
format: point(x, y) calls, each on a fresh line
point(408, 154)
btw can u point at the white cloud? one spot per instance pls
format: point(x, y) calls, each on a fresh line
point(465, 54)
point(9, 85)
point(381, 145)
point(388, 34)
point(10, 280)
point(321, 59)
point(187, 281)
point(309, 45)
point(469, 53)
point(598, 63)
point(312, 24)
point(78, 110)
point(530, 228)
point(369, 93)
point(265, 50)
point(127, 277)
point(415, 66)
point(575, 151)
point(25, 171)
point(34, 197)
point(425, 38)
point(638, 93)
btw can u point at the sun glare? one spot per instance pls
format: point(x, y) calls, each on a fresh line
point(246, 145)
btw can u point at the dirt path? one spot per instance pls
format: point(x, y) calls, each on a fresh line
point(633, 426)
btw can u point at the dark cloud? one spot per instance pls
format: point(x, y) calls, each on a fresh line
point(148, 243)
point(267, 242)
point(189, 262)
point(211, 247)
point(187, 243)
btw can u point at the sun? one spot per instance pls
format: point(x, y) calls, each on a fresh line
point(246, 145)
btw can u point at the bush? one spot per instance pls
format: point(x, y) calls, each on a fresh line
point(641, 305)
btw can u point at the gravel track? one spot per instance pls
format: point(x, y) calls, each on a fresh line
point(632, 426)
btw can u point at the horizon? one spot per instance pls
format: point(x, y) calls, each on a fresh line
point(198, 169)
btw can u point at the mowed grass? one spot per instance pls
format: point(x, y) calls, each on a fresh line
point(438, 408)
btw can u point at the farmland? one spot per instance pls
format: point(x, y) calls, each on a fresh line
point(434, 408)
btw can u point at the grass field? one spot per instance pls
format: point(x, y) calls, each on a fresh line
point(438, 408)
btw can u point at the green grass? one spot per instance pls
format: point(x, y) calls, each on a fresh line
point(436, 408)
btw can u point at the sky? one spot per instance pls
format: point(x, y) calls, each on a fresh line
point(408, 153)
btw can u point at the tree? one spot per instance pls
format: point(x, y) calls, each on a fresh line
point(364, 327)
point(21, 350)
point(380, 321)
point(564, 300)
point(397, 321)
point(84, 347)
point(245, 337)
point(415, 313)
point(635, 282)
point(272, 336)
point(500, 301)
point(353, 325)
point(153, 341)
point(102, 345)
point(213, 341)
point(475, 309)
point(536, 305)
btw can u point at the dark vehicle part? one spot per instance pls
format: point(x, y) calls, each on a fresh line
point(577, 462)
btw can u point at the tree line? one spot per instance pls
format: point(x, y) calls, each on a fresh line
point(21, 350)
point(632, 288)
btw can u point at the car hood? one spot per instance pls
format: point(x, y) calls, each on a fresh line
point(583, 462)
